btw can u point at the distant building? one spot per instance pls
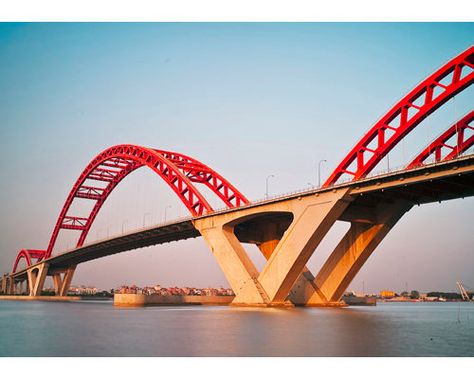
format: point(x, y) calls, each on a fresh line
point(174, 291)
point(387, 294)
point(82, 291)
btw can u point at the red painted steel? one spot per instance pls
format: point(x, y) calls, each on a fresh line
point(436, 147)
point(200, 173)
point(108, 168)
point(424, 99)
point(28, 255)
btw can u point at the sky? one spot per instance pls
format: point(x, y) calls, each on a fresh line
point(248, 99)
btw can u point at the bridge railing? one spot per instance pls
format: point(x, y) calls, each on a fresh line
point(379, 173)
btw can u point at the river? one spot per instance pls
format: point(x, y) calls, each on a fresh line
point(97, 328)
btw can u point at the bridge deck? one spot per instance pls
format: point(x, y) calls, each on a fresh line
point(431, 183)
point(147, 237)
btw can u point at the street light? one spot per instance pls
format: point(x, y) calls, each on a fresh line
point(144, 216)
point(266, 184)
point(168, 206)
point(319, 171)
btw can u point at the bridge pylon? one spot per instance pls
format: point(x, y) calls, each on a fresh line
point(62, 280)
point(3, 284)
point(354, 249)
point(36, 278)
point(10, 287)
point(304, 286)
point(309, 218)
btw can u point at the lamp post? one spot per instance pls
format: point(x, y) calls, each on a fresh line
point(319, 171)
point(266, 185)
point(168, 206)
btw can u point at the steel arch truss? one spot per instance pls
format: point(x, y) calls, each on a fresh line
point(111, 166)
point(28, 255)
point(424, 99)
point(441, 144)
point(197, 172)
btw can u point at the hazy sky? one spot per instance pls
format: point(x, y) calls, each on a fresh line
point(249, 100)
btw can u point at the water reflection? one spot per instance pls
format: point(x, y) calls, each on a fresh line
point(99, 329)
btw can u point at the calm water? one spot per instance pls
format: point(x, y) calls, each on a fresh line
point(98, 329)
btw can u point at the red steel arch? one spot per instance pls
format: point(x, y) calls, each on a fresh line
point(112, 165)
point(28, 255)
point(436, 147)
point(200, 173)
point(424, 99)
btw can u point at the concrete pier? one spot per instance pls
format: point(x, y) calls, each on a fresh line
point(139, 300)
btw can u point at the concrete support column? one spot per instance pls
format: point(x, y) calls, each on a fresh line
point(57, 282)
point(352, 252)
point(36, 277)
point(233, 261)
point(304, 286)
point(3, 287)
point(62, 284)
point(11, 286)
point(313, 217)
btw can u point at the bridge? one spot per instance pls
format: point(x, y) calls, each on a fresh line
point(287, 229)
